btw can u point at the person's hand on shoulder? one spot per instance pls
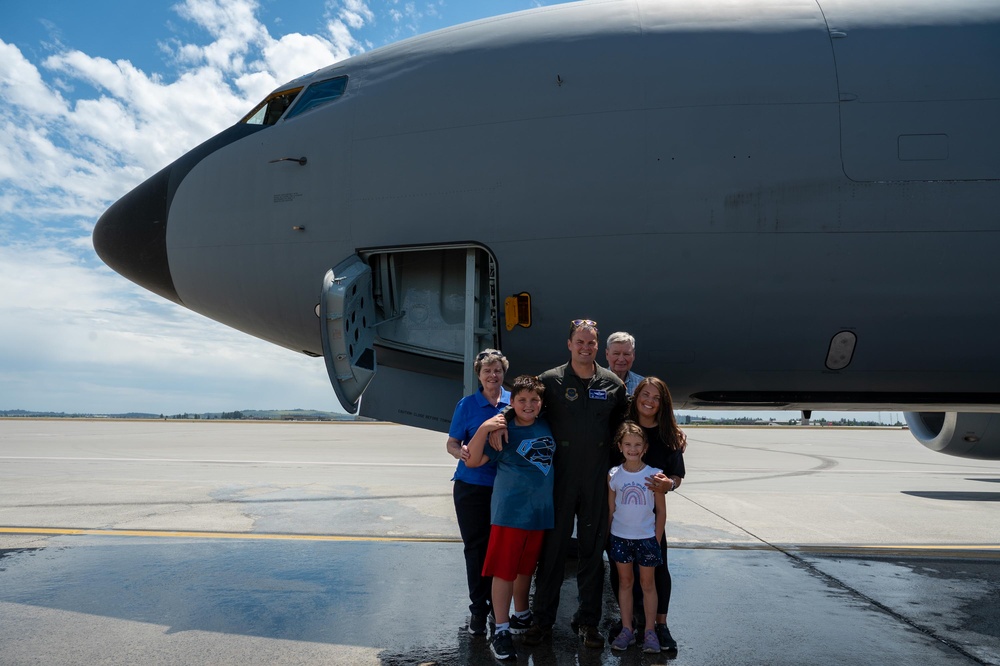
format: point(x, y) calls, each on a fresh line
point(498, 431)
point(659, 483)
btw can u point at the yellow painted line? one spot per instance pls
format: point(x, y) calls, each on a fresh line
point(64, 531)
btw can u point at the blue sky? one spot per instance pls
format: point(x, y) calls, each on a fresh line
point(97, 96)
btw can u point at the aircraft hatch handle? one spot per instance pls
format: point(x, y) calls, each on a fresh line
point(301, 160)
point(347, 327)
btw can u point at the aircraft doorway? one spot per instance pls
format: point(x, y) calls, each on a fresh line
point(438, 302)
point(427, 311)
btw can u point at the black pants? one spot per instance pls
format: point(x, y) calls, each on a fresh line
point(661, 576)
point(586, 506)
point(472, 507)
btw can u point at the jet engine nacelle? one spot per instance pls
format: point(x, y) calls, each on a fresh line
point(966, 435)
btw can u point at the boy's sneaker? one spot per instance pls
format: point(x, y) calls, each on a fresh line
point(520, 625)
point(625, 638)
point(502, 646)
point(667, 641)
point(650, 642)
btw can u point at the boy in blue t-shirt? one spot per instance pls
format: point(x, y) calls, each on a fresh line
point(522, 506)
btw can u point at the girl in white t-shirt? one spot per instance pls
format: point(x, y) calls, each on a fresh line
point(638, 517)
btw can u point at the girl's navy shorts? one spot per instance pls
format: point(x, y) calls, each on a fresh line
point(646, 552)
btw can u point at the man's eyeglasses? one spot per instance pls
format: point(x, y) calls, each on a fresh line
point(583, 322)
point(486, 354)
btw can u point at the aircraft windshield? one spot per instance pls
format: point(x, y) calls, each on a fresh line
point(318, 94)
point(268, 111)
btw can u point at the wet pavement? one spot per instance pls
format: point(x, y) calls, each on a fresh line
point(299, 551)
point(86, 599)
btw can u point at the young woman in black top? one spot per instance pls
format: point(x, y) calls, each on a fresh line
point(652, 408)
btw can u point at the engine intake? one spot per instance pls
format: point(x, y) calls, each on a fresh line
point(966, 435)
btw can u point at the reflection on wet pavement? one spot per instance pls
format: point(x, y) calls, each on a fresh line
point(402, 603)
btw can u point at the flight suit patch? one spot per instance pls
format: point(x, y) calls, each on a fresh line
point(571, 394)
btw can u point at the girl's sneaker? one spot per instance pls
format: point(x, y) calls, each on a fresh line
point(624, 639)
point(650, 642)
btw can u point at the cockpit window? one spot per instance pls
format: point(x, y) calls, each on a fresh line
point(268, 111)
point(317, 94)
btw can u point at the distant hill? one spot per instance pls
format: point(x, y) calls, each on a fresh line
point(56, 415)
point(239, 415)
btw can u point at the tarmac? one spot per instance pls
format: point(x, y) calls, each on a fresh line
point(180, 542)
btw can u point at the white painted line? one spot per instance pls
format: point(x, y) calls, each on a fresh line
point(333, 463)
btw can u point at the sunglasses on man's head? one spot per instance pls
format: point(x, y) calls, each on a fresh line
point(583, 322)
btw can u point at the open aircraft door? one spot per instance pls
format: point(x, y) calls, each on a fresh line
point(347, 313)
point(424, 312)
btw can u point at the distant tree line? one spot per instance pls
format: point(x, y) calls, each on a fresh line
point(756, 421)
point(238, 415)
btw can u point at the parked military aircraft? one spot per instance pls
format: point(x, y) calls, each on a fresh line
point(792, 204)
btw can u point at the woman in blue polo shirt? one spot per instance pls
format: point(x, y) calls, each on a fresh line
point(473, 490)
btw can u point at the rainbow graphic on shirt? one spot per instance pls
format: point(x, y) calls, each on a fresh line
point(632, 493)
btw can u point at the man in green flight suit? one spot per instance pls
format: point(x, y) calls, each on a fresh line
point(584, 404)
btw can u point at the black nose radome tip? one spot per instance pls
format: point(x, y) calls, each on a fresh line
point(131, 236)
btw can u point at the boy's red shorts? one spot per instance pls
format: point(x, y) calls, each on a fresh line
point(512, 551)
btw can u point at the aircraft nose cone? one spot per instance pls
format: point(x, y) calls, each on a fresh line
point(131, 236)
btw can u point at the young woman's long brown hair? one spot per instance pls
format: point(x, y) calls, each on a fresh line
point(670, 433)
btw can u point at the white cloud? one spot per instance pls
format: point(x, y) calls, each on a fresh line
point(74, 336)
point(294, 55)
point(340, 33)
point(142, 120)
point(356, 13)
point(21, 84)
point(76, 157)
point(234, 26)
point(406, 17)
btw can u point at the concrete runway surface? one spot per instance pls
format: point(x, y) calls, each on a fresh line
point(125, 542)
